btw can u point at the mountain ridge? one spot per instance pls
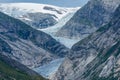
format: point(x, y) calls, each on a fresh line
point(93, 54)
point(88, 19)
point(27, 45)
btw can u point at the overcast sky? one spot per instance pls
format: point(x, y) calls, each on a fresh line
point(62, 3)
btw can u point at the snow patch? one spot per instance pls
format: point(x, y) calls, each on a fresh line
point(27, 19)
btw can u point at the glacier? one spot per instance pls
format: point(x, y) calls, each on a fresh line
point(54, 29)
point(66, 41)
point(56, 17)
point(49, 69)
point(18, 10)
point(36, 15)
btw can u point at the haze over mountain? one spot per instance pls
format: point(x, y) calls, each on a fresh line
point(62, 3)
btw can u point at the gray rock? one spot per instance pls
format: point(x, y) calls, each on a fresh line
point(40, 20)
point(89, 18)
point(95, 57)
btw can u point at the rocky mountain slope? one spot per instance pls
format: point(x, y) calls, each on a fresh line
point(12, 70)
point(93, 15)
point(36, 15)
point(96, 57)
point(27, 45)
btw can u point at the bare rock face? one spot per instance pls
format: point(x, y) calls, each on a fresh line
point(89, 18)
point(95, 57)
point(39, 20)
point(27, 45)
